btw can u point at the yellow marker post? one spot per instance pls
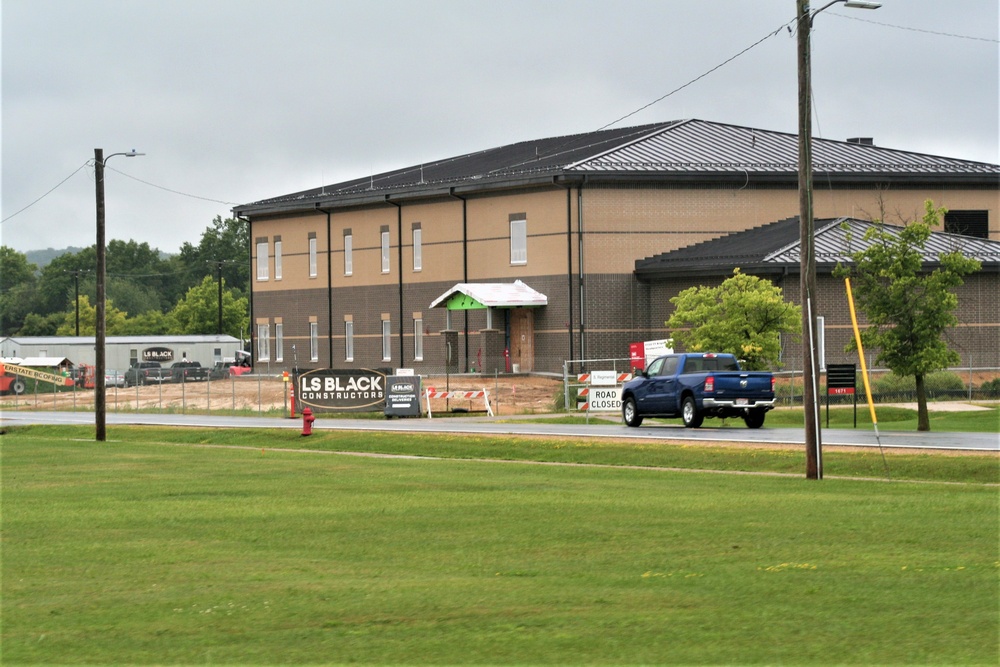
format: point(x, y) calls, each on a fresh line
point(864, 369)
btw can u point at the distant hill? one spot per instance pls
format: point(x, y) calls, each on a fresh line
point(43, 257)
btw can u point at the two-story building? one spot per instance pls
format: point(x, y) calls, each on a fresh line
point(526, 255)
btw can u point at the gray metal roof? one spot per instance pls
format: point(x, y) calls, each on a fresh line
point(699, 146)
point(774, 248)
point(668, 151)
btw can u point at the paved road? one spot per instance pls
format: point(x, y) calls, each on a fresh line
point(519, 426)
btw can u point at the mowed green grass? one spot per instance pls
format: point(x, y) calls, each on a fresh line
point(152, 549)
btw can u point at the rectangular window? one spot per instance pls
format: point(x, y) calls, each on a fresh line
point(314, 341)
point(386, 340)
point(312, 254)
point(418, 259)
point(418, 339)
point(385, 250)
point(348, 253)
point(518, 239)
point(277, 258)
point(348, 341)
point(968, 223)
point(262, 259)
point(263, 342)
point(279, 342)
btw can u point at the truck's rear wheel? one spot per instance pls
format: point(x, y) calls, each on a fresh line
point(18, 387)
point(630, 414)
point(689, 413)
point(754, 418)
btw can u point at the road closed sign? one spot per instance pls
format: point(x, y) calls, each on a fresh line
point(605, 399)
point(602, 391)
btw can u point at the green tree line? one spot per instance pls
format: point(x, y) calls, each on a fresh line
point(147, 293)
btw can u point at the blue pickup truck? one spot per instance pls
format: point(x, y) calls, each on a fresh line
point(695, 386)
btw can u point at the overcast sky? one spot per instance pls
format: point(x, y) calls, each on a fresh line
point(239, 100)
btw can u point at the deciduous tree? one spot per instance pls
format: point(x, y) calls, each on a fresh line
point(198, 312)
point(908, 304)
point(744, 316)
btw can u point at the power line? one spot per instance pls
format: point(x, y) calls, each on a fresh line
point(929, 32)
point(176, 192)
point(47, 193)
point(700, 76)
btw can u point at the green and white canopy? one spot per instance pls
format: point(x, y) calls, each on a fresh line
point(473, 296)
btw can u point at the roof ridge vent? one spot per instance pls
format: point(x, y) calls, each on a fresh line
point(862, 141)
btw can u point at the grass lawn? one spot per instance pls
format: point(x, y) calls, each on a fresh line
point(149, 549)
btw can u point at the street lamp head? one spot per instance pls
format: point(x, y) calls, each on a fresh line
point(132, 153)
point(862, 4)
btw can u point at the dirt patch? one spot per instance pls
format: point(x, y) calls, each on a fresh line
point(510, 395)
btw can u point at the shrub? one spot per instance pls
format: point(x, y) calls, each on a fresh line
point(941, 382)
point(991, 387)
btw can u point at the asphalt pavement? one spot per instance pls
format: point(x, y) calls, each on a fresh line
point(538, 426)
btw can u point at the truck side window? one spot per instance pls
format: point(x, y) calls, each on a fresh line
point(669, 366)
point(654, 368)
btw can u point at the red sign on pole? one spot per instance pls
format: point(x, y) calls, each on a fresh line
point(637, 355)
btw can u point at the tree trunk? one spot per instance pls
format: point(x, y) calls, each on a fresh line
point(923, 420)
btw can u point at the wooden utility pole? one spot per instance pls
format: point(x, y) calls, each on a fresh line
point(100, 395)
point(807, 255)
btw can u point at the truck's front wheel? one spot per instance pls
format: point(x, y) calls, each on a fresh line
point(689, 413)
point(629, 413)
point(17, 387)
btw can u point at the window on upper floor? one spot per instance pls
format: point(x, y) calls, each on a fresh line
point(262, 260)
point(385, 250)
point(348, 253)
point(312, 254)
point(418, 259)
point(518, 239)
point(968, 223)
point(277, 258)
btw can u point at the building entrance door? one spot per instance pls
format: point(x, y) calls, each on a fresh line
point(522, 339)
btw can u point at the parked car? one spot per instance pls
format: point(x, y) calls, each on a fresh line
point(113, 378)
point(188, 371)
point(695, 386)
point(146, 372)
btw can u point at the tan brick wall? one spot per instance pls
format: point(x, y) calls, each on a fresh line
point(620, 225)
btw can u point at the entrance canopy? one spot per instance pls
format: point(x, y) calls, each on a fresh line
point(474, 296)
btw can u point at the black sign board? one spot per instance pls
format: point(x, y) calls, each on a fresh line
point(841, 380)
point(332, 390)
point(402, 396)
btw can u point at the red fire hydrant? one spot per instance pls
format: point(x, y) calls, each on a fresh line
point(307, 421)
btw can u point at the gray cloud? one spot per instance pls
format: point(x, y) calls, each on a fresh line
point(242, 100)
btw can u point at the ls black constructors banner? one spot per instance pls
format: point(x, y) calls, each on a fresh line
point(332, 390)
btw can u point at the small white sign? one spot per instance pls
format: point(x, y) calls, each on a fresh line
point(656, 348)
point(604, 378)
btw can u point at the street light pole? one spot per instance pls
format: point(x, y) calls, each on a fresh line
point(100, 325)
point(807, 250)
